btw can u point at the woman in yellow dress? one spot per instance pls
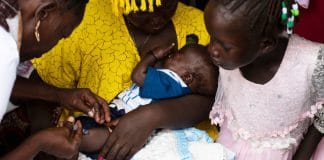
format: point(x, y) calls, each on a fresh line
point(104, 49)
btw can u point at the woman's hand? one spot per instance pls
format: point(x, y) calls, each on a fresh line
point(134, 128)
point(84, 100)
point(62, 142)
point(130, 135)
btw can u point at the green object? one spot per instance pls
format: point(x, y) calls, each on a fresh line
point(192, 39)
point(295, 12)
point(284, 17)
point(284, 12)
point(290, 24)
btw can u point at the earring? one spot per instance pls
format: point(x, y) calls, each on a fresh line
point(37, 31)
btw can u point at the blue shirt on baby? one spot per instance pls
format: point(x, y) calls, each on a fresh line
point(162, 84)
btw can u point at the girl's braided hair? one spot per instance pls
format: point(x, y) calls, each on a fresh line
point(264, 16)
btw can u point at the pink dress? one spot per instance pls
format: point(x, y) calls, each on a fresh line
point(267, 121)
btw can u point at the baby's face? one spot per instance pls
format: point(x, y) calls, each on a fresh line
point(192, 66)
point(182, 62)
point(178, 62)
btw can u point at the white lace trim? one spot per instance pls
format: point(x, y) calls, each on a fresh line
point(274, 143)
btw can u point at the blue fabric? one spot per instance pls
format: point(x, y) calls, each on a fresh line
point(159, 85)
point(184, 136)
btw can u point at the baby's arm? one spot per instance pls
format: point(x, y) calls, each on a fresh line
point(139, 72)
point(94, 141)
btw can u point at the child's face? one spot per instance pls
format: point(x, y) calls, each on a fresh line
point(231, 45)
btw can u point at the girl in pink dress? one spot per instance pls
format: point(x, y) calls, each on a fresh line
point(271, 84)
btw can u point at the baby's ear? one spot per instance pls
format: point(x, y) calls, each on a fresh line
point(187, 77)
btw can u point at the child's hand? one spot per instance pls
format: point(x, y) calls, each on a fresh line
point(161, 52)
point(84, 100)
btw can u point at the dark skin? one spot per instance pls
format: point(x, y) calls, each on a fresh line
point(62, 141)
point(177, 62)
point(233, 47)
point(161, 30)
point(308, 144)
point(139, 72)
point(81, 99)
point(93, 142)
point(258, 58)
point(140, 123)
point(55, 24)
point(167, 114)
point(61, 25)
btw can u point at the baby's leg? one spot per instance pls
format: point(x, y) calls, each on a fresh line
point(94, 141)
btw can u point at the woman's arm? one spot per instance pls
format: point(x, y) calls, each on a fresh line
point(135, 127)
point(60, 142)
point(27, 150)
point(81, 99)
point(31, 89)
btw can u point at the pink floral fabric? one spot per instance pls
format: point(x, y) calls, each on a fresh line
point(271, 116)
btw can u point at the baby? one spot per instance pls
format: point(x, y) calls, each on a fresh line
point(187, 71)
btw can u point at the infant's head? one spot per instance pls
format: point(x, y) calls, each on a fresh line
point(193, 64)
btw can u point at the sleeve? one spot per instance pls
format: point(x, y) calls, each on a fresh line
point(61, 65)
point(158, 85)
point(9, 59)
point(318, 83)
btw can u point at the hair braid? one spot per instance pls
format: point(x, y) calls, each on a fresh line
point(263, 15)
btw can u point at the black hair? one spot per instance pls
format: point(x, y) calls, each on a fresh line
point(192, 39)
point(76, 5)
point(264, 15)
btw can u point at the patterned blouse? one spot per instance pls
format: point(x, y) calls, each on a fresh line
point(100, 54)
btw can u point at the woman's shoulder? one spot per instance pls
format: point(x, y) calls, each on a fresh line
point(99, 23)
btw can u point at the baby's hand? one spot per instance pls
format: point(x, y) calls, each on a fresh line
point(161, 52)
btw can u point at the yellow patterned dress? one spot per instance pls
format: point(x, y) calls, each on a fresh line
point(100, 54)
